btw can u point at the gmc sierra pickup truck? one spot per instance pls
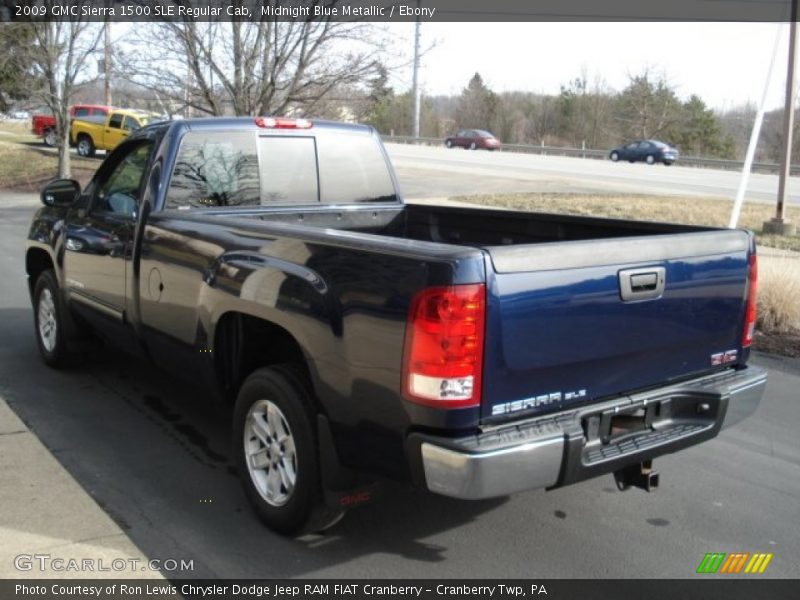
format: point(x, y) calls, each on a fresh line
point(473, 352)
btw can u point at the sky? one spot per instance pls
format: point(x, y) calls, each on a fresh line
point(724, 63)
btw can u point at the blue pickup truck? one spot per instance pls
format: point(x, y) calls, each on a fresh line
point(473, 352)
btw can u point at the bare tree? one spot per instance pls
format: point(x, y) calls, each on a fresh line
point(263, 66)
point(56, 59)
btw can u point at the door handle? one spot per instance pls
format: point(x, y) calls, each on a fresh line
point(641, 284)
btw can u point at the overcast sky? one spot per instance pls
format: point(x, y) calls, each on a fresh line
point(725, 63)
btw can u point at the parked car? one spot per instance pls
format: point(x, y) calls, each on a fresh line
point(105, 132)
point(473, 139)
point(44, 124)
point(472, 352)
point(649, 151)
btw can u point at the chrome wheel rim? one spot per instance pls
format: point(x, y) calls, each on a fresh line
point(50, 138)
point(48, 326)
point(270, 453)
point(83, 148)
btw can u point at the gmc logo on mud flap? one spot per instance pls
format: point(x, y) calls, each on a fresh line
point(355, 499)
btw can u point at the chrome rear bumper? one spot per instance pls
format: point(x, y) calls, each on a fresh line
point(585, 442)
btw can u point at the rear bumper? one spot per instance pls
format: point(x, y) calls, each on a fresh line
point(585, 442)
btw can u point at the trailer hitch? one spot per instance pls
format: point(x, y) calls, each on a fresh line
point(642, 476)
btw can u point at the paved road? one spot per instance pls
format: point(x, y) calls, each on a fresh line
point(153, 452)
point(438, 172)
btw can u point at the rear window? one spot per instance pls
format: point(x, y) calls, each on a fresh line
point(245, 169)
point(352, 168)
point(215, 169)
point(288, 169)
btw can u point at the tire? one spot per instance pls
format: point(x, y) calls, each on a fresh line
point(85, 146)
point(668, 163)
point(449, 143)
point(650, 159)
point(614, 156)
point(473, 146)
point(274, 425)
point(49, 137)
point(50, 323)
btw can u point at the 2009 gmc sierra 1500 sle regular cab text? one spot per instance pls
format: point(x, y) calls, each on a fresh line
point(473, 352)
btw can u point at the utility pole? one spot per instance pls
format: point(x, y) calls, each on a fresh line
point(780, 224)
point(107, 63)
point(417, 92)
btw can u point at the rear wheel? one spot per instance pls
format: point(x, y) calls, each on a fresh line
point(449, 143)
point(85, 145)
point(276, 451)
point(615, 156)
point(473, 146)
point(650, 159)
point(49, 137)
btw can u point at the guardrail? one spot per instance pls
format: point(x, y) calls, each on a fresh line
point(687, 161)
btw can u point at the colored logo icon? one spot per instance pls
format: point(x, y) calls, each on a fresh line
point(734, 563)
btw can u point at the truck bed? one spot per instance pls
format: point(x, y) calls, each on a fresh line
point(559, 333)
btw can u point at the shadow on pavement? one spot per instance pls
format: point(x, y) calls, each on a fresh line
point(153, 452)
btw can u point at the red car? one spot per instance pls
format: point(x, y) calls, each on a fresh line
point(44, 125)
point(473, 139)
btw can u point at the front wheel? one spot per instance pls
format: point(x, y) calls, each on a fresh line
point(275, 446)
point(615, 156)
point(49, 321)
point(85, 146)
point(449, 143)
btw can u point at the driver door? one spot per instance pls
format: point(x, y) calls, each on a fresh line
point(97, 240)
point(113, 133)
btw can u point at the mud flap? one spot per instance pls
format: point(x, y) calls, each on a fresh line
point(343, 488)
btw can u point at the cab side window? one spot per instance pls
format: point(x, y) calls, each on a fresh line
point(116, 121)
point(117, 191)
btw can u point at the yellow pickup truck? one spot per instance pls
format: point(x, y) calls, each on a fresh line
point(106, 132)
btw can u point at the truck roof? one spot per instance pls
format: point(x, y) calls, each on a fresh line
point(216, 123)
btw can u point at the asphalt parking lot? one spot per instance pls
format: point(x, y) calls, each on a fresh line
point(152, 451)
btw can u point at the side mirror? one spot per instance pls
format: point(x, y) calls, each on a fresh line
point(61, 192)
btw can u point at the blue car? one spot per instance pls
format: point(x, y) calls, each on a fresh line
point(650, 151)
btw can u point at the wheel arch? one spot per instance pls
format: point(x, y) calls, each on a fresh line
point(243, 342)
point(37, 260)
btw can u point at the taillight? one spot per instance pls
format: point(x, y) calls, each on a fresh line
point(750, 303)
point(282, 123)
point(443, 355)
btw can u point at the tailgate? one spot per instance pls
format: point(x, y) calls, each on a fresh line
point(572, 322)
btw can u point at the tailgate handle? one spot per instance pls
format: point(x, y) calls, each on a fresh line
point(646, 282)
point(641, 284)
